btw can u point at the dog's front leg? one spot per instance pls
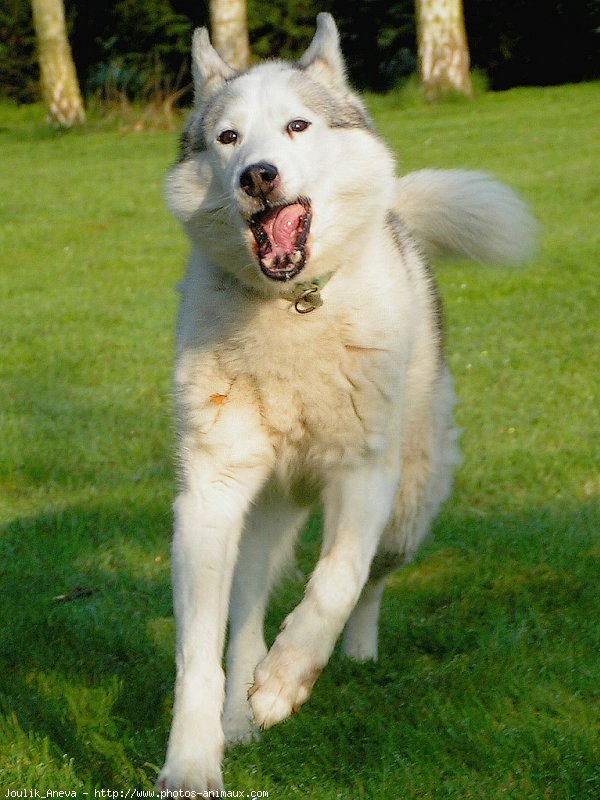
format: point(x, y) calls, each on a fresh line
point(209, 515)
point(358, 504)
point(266, 547)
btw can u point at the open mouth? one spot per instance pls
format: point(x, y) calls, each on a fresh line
point(280, 233)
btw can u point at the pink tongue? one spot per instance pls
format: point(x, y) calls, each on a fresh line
point(282, 226)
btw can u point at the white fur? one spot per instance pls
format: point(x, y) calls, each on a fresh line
point(350, 405)
point(468, 214)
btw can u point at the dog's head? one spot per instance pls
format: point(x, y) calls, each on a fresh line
point(281, 171)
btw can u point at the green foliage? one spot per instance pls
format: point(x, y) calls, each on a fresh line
point(281, 30)
point(378, 36)
point(19, 74)
point(534, 43)
point(487, 683)
point(379, 40)
point(137, 47)
point(132, 47)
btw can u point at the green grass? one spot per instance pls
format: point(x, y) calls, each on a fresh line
point(487, 685)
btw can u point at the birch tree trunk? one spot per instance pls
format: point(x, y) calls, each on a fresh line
point(60, 88)
point(229, 31)
point(444, 63)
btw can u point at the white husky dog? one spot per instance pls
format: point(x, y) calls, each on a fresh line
point(310, 369)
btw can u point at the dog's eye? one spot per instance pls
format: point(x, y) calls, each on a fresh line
point(297, 126)
point(228, 137)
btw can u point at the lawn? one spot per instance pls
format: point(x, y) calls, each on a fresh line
point(487, 684)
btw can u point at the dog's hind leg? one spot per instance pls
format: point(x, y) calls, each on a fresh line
point(266, 548)
point(428, 465)
point(361, 634)
point(357, 504)
point(407, 529)
point(361, 631)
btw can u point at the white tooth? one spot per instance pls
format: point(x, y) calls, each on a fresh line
point(296, 257)
point(268, 262)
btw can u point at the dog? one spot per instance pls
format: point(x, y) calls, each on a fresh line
point(310, 370)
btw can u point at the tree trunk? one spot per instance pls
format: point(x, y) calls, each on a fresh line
point(443, 51)
point(60, 88)
point(229, 31)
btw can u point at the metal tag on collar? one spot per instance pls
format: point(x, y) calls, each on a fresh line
point(309, 300)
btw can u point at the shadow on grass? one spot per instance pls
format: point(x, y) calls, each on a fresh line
point(488, 620)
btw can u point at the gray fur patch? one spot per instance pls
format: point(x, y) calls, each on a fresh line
point(193, 137)
point(398, 231)
point(340, 111)
point(215, 107)
point(401, 237)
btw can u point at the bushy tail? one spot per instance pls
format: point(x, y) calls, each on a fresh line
point(467, 215)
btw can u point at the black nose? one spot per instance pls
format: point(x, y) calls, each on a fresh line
point(258, 179)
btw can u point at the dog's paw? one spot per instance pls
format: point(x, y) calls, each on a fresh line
point(189, 777)
point(281, 685)
point(239, 730)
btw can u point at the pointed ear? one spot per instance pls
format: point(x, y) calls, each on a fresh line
point(324, 56)
point(208, 68)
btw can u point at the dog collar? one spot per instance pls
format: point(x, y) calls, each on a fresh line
point(306, 296)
